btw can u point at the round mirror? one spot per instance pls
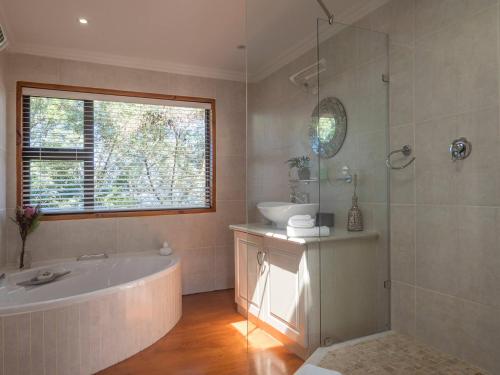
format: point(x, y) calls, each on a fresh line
point(328, 128)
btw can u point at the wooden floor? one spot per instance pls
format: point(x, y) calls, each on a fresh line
point(211, 339)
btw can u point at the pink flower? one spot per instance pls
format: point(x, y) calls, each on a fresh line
point(29, 211)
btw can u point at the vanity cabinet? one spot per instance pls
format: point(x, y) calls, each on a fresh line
point(270, 285)
point(278, 285)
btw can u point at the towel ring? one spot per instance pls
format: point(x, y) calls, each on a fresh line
point(406, 151)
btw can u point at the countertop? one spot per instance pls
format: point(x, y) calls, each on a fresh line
point(336, 234)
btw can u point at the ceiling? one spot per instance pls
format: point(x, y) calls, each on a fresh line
point(198, 37)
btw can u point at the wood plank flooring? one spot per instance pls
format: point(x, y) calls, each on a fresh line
point(211, 339)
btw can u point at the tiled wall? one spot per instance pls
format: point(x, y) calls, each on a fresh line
point(3, 158)
point(279, 117)
point(445, 216)
point(202, 240)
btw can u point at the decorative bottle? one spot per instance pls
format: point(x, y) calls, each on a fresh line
point(354, 216)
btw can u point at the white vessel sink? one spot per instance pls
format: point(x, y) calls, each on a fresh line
point(280, 212)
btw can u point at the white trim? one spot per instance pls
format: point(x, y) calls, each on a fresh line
point(345, 19)
point(125, 61)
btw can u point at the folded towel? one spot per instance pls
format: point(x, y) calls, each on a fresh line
point(301, 221)
point(308, 369)
point(301, 217)
point(307, 232)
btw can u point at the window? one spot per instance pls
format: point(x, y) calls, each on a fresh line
point(91, 152)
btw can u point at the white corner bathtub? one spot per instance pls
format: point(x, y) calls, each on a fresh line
point(101, 313)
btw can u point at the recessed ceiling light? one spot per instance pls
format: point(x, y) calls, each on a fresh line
point(83, 21)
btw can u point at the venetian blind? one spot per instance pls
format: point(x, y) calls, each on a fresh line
point(98, 153)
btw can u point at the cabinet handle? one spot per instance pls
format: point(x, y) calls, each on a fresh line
point(260, 257)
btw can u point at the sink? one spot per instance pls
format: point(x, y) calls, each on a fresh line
point(280, 212)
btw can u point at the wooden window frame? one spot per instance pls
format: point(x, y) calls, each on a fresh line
point(20, 121)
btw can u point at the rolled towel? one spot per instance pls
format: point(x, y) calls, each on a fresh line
point(307, 232)
point(301, 221)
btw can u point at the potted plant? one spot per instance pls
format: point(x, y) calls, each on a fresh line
point(302, 165)
point(27, 219)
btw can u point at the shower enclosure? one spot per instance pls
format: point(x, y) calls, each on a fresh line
point(317, 100)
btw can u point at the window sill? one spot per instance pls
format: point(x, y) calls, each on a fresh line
point(104, 215)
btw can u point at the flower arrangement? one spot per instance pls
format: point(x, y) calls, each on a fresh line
point(302, 165)
point(27, 219)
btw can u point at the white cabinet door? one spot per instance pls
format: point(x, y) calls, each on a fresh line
point(250, 271)
point(285, 289)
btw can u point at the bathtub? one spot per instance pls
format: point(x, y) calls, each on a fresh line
point(101, 313)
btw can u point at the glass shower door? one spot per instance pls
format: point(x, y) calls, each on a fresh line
point(352, 124)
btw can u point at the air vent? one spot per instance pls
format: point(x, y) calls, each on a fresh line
point(3, 38)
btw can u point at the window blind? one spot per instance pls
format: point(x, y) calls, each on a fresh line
point(99, 153)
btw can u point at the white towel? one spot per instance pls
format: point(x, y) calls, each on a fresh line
point(301, 221)
point(307, 232)
point(301, 217)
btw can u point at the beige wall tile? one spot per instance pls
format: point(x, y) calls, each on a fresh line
point(403, 243)
point(396, 18)
point(432, 15)
point(37, 360)
point(436, 244)
point(198, 267)
point(403, 308)
point(401, 88)
point(448, 83)
point(224, 267)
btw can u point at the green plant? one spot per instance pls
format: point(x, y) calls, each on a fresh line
point(299, 162)
point(27, 219)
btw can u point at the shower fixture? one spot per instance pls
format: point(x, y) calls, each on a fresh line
point(329, 14)
point(460, 149)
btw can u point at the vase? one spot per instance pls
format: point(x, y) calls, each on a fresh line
point(304, 173)
point(25, 262)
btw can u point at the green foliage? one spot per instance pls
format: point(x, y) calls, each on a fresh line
point(298, 162)
point(144, 156)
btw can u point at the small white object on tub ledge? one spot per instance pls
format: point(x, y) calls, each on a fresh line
point(166, 250)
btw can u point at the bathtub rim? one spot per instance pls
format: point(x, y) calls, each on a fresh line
point(84, 297)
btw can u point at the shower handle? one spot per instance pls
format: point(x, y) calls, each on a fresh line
point(460, 149)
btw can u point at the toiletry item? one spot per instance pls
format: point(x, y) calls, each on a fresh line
point(44, 275)
point(165, 250)
point(307, 232)
point(325, 219)
point(354, 216)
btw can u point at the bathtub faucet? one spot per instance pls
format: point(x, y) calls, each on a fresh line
point(92, 256)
